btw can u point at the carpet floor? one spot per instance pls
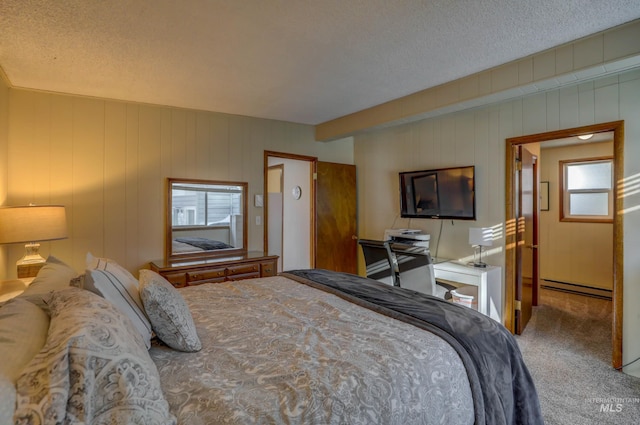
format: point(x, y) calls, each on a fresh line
point(567, 348)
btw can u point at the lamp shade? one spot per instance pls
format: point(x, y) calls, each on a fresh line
point(481, 236)
point(33, 223)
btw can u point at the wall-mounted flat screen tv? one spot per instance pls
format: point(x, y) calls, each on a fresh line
point(443, 193)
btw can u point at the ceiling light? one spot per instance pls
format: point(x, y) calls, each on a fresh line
point(585, 136)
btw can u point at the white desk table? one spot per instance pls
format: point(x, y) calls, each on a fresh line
point(488, 280)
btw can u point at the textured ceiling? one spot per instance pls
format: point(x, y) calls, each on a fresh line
point(305, 61)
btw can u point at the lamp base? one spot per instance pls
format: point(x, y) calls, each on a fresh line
point(29, 270)
point(31, 254)
point(31, 262)
point(480, 265)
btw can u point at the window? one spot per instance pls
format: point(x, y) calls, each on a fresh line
point(184, 216)
point(205, 206)
point(587, 190)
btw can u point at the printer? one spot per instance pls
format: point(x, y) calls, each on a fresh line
point(413, 237)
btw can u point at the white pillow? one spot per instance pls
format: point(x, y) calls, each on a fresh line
point(101, 263)
point(169, 314)
point(108, 279)
point(23, 332)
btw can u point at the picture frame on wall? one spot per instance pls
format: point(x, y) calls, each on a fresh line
point(544, 196)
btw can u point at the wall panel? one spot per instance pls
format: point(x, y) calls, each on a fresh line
point(131, 229)
point(606, 98)
point(531, 107)
point(61, 171)
point(88, 175)
point(569, 111)
point(178, 153)
point(4, 150)
point(586, 104)
point(552, 109)
point(465, 131)
point(115, 196)
point(481, 153)
point(150, 184)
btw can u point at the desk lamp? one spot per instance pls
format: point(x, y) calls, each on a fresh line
point(29, 225)
point(479, 237)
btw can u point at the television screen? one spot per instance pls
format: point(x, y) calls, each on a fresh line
point(441, 193)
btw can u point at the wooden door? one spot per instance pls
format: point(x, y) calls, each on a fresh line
point(336, 240)
point(524, 239)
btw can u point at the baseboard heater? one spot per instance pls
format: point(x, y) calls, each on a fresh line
point(577, 289)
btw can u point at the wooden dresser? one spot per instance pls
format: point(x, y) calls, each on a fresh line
point(223, 268)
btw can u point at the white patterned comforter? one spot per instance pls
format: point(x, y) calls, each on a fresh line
point(277, 351)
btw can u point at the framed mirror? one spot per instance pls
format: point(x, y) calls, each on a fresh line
point(205, 218)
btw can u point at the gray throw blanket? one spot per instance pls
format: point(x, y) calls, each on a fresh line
point(502, 388)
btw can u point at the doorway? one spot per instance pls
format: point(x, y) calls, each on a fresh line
point(311, 217)
point(290, 209)
point(512, 220)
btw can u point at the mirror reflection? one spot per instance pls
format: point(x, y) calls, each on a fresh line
point(205, 218)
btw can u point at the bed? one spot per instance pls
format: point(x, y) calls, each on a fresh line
point(191, 244)
point(306, 347)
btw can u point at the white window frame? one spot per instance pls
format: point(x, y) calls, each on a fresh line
point(565, 193)
point(205, 205)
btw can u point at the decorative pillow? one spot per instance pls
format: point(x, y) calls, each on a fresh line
point(54, 275)
point(112, 282)
point(93, 369)
point(23, 332)
point(169, 314)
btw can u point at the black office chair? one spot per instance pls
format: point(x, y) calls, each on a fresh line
point(380, 261)
point(415, 270)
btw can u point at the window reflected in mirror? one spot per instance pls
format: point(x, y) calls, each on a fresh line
point(205, 218)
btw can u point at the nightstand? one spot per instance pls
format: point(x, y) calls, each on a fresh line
point(12, 288)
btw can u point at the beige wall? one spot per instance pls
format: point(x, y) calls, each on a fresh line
point(570, 252)
point(4, 134)
point(477, 137)
point(107, 162)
